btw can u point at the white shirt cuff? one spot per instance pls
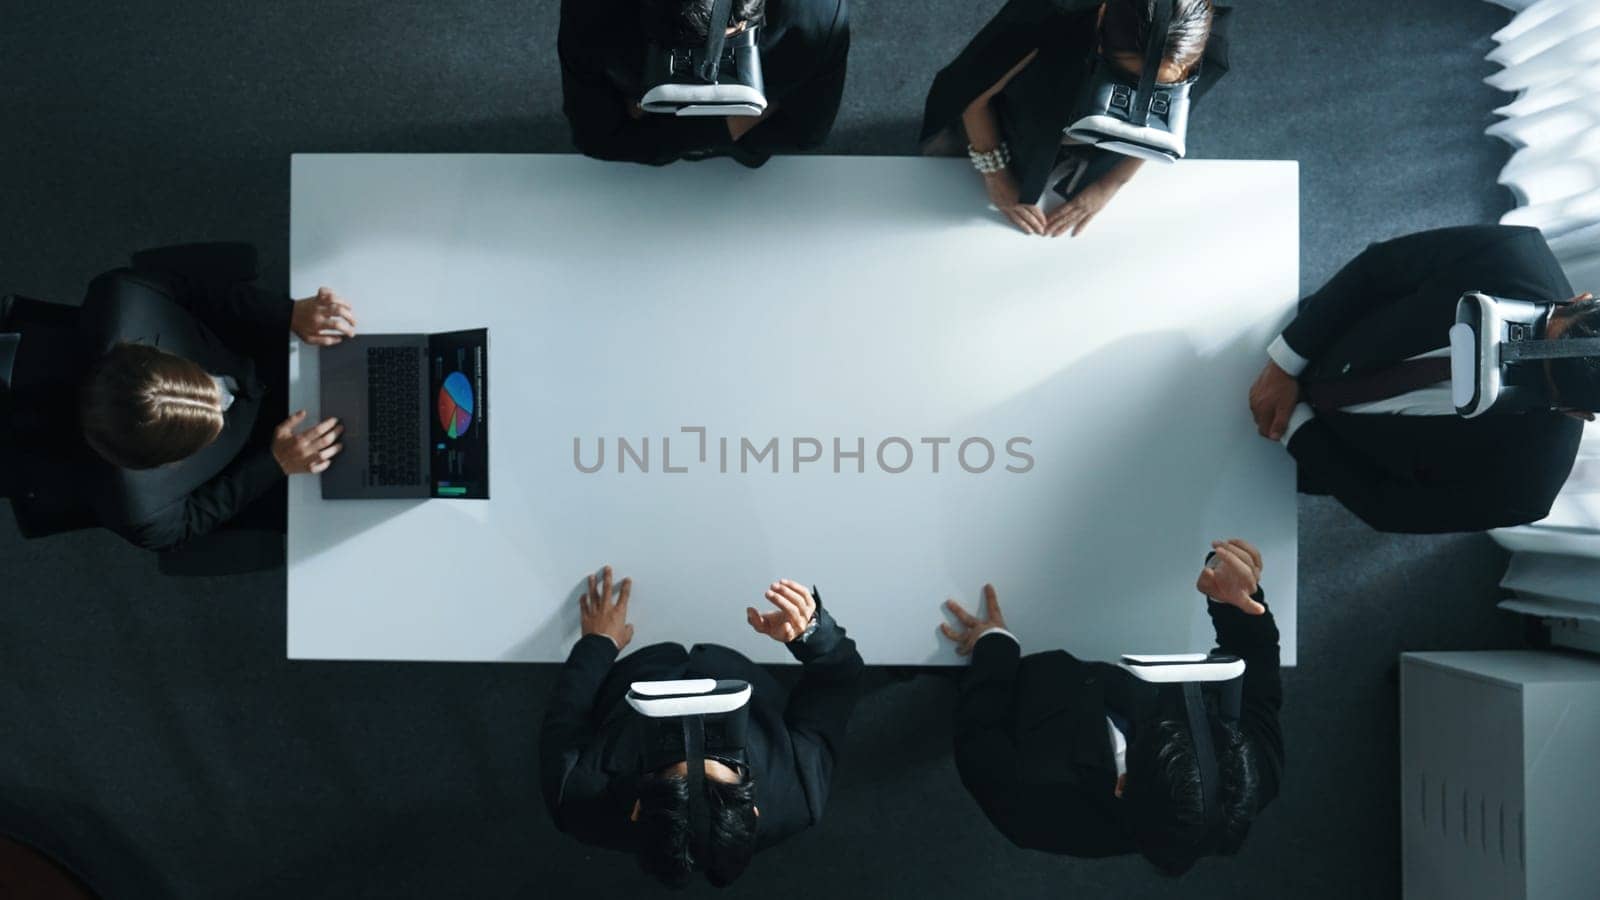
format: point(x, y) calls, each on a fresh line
point(1301, 415)
point(999, 631)
point(1287, 360)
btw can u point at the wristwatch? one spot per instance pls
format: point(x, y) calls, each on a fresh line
point(811, 626)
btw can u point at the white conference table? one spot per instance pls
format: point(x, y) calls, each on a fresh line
point(870, 299)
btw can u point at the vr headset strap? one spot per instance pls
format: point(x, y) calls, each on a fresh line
point(716, 35)
point(9, 342)
point(1153, 51)
point(1519, 351)
point(1205, 752)
point(694, 751)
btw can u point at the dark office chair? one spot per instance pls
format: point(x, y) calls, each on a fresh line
point(226, 261)
point(55, 848)
point(40, 368)
point(27, 873)
point(44, 361)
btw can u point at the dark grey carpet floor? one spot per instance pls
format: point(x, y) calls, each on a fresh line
point(152, 725)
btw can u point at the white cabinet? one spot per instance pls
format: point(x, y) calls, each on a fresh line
point(1500, 775)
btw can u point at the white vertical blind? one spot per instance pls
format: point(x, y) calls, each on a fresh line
point(1550, 59)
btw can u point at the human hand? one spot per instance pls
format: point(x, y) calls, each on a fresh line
point(793, 617)
point(973, 628)
point(1233, 575)
point(308, 452)
point(1075, 214)
point(1272, 399)
point(598, 614)
point(739, 126)
point(1003, 191)
point(315, 317)
point(1581, 415)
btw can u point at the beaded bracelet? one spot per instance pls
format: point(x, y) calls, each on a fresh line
point(992, 161)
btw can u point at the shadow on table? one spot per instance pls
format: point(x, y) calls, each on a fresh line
point(554, 630)
point(569, 217)
point(335, 522)
point(1125, 436)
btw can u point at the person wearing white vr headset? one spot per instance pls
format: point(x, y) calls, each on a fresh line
point(656, 81)
point(1072, 97)
point(694, 760)
point(1169, 757)
point(1438, 382)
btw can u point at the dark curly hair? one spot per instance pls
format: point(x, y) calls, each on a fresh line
point(688, 21)
point(663, 830)
point(1577, 380)
point(1163, 787)
point(1127, 24)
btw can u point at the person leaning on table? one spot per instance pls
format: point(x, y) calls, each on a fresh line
point(1074, 757)
point(591, 749)
point(1401, 458)
point(1008, 98)
point(180, 408)
point(602, 44)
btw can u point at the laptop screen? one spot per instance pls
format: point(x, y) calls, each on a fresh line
point(458, 379)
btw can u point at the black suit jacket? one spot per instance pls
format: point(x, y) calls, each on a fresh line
point(1428, 473)
point(591, 745)
point(804, 47)
point(218, 325)
point(1036, 105)
point(1032, 747)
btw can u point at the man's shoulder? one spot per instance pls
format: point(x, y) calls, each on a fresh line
point(124, 289)
point(1058, 673)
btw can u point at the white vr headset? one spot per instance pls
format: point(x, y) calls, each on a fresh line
point(1185, 681)
point(687, 697)
point(1177, 668)
point(689, 721)
point(1141, 118)
point(1496, 350)
point(721, 78)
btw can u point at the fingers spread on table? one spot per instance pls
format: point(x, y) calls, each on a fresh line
point(962, 616)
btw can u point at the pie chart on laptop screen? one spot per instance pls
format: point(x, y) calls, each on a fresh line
point(455, 404)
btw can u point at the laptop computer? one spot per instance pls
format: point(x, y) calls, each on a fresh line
point(415, 410)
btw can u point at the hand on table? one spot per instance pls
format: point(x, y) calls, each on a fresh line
point(1076, 214)
point(972, 627)
point(1272, 399)
point(599, 614)
point(323, 320)
point(795, 609)
point(308, 452)
point(739, 126)
point(1003, 192)
point(1233, 575)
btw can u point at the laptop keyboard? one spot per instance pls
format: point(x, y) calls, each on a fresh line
point(393, 455)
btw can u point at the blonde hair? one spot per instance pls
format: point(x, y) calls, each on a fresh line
point(143, 407)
